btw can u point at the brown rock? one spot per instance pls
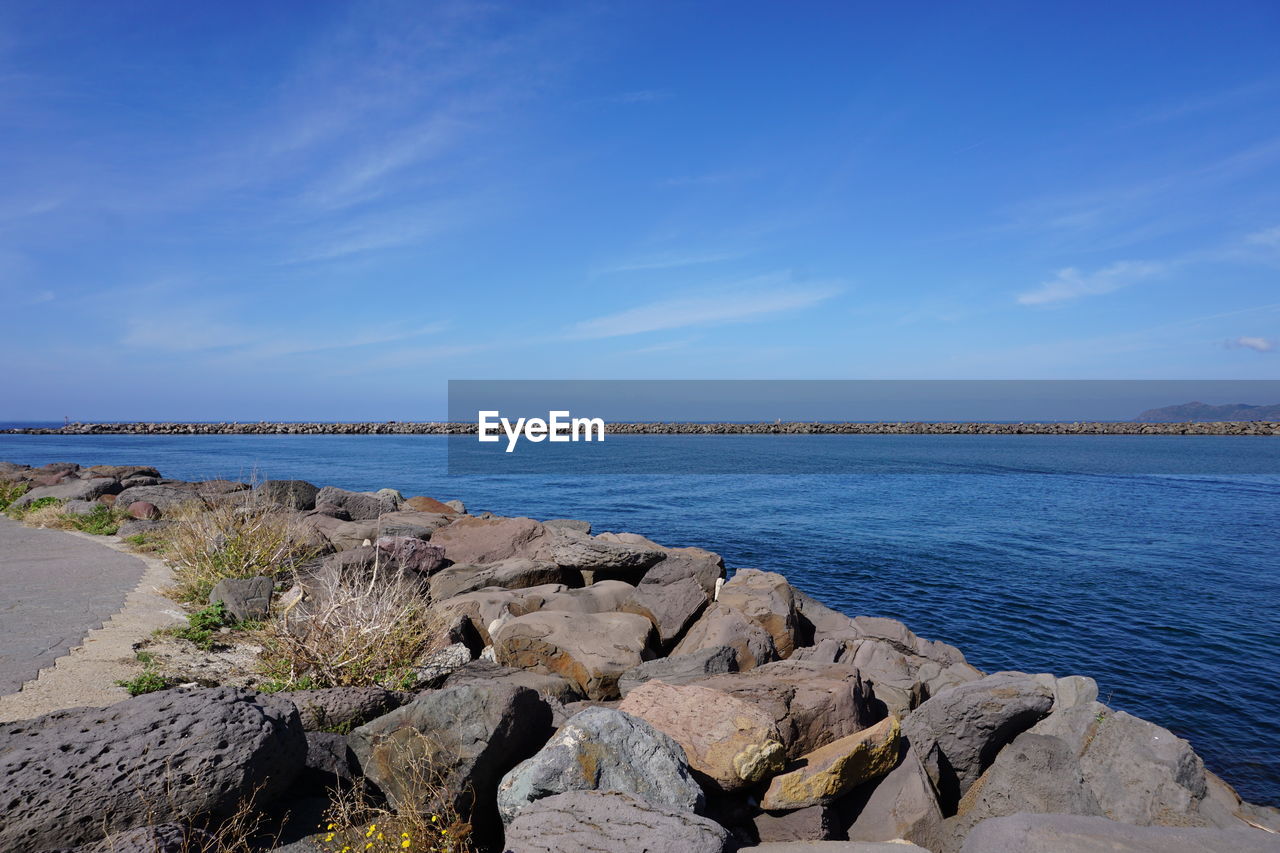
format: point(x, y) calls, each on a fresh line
point(901, 805)
point(812, 704)
point(703, 566)
point(599, 597)
point(590, 649)
point(144, 510)
point(815, 823)
point(723, 626)
point(425, 504)
point(513, 573)
point(766, 599)
point(485, 607)
point(731, 741)
point(672, 607)
point(831, 771)
point(477, 541)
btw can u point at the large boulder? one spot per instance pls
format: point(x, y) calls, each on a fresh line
point(601, 749)
point(447, 749)
point(606, 556)
point(422, 503)
point(811, 704)
point(723, 626)
point(410, 554)
point(294, 494)
point(478, 541)
point(705, 567)
point(732, 742)
point(75, 776)
point(71, 489)
point(671, 607)
point(957, 733)
point(245, 598)
point(901, 805)
point(172, 837)
point(166, 497)
point(490, 607)
point(612, 821)
point(681, 669)
point(590, 649)
point(359, 506)
point(511, 573)
point(481, 672)
point(1054, 833)
point(336, 708)
point(829, 772)
point(767, 600)
point(812, 823)
point(605, 596)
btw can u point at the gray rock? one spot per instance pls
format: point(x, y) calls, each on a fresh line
point(466, 737)
point(482, 671)
point(161, 838)
point(166, 498)
point(681, 669)
point(360, 506)
point(511, 573)
point(415, 525)
point(812, 823)
point(601, 749)
point(343, 707)
point(723, 626)
point(705, 567)
point(138, 526)
point(457, 506)
point(245, 598)
point(672, 607)
point(80, 507)
point(957, 733)
point(837, 847)
point(411, 554)
point(294, 494)
point(608, 559)
point(73, 777)
point(767, 600)
point(901, 805)
point(611, 822)
point(436, 667)
point(1052, 833)
point(71, 490)
point(329, 758)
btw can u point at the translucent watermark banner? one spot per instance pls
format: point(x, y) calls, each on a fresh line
point(1104, 427)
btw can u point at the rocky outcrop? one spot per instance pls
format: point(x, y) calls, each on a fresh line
point(731, 741)
point(723, 626)
point(600, 749)
point(245, 598)
point(681, 669)
point(591, 650)
point(766, 599)
point(829, 772)
point(293, 494)
point(611, 822)
point(72, 777)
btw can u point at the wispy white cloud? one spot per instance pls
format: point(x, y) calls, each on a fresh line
point(1071, 283)
point(670, 261)
point(1268, 237)
point(1256, 344)
point(750, 301)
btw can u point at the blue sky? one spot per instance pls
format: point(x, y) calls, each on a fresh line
point(323, 210)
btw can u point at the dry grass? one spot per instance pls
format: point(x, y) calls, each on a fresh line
point(357, 822)
point(212, 540)
point(358, 628)
point(49, 515)
point(248, 829)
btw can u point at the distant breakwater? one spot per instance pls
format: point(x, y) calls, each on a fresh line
point(777, 428)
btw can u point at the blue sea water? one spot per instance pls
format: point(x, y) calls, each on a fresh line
point(1162, 587)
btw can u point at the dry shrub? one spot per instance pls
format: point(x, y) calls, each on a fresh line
point(49, 516)
point(210, 540)
point(358, 627)
point(355, 821)
point(248, 829)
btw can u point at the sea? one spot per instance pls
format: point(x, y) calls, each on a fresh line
point(1164, 587)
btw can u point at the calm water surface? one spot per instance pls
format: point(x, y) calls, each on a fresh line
point(1162, 587)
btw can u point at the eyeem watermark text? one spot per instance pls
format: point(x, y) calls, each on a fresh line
point(558, 426)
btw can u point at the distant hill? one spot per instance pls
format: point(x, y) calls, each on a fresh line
point(1190, 412)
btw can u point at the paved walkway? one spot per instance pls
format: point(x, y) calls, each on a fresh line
point(71, 608)
point(54, 589)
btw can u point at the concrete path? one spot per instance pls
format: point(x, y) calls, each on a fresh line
point(57, 590)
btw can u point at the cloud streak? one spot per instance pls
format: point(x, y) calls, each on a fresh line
point(1071, 283)
point(1254, 343)
point(754, 301)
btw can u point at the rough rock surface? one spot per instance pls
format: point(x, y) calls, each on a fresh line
point(671, 607)
point(511, 573)
point(901, 805)
point(767, 600)
point(812, 704)
point(611, 822)
point(358, 506)
point(681, 669)
point(71, 490)
point(161, 838)
point(482, 672)
point(723, 626)
point(957, 733)
point(706, 567)
point(410, 554)
point(294, 494)
point(601, 749)
point(478, 541)
point(1053, 833)
point(731, 741)
point(245, 598)
point(71, 777)
point(467, 736)
point(342, 707)
point(421, 503)
point(590, 649)
point(813, 823)
point(831, 771)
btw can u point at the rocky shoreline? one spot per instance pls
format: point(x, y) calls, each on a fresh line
point(777, 428)
point(570, 691)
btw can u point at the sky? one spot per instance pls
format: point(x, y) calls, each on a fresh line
point(324, 211)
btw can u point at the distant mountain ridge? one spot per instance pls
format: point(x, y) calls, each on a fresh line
point(1202, 412)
